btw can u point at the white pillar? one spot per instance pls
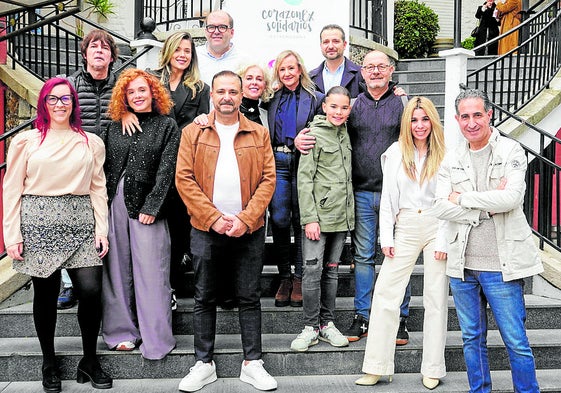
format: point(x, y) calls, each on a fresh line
point(456, 73)
point(390, 9)
point(150, 59)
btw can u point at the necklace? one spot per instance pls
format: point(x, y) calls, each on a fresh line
point(60, 135)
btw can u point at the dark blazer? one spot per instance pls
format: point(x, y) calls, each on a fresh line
point(147, 159)
point(352, 78)
point(308, 107)
point(186, 108)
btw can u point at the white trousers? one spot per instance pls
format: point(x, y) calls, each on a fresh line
point(415, 232)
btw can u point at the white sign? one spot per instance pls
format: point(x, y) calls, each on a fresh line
point(263, 29)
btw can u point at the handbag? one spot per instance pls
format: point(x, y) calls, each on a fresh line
point(475, 31)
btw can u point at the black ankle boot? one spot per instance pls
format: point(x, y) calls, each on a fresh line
point(51, 380)
point(91, 371)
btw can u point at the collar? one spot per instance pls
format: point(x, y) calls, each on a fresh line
point(226, 54)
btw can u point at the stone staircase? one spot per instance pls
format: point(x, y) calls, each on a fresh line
point(426, 77)
point(321, 368)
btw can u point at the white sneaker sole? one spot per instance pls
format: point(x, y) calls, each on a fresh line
point(247, 379)
point(185, 387)
point(315, 342)
point(334, 344)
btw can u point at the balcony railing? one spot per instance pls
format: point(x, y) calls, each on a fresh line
point(366, 16)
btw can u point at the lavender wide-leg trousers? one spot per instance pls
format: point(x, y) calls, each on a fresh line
point(136, 289)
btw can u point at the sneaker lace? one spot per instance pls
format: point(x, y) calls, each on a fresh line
point(307, 334)
point(257, 369)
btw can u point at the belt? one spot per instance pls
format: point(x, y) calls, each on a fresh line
point(283, 149)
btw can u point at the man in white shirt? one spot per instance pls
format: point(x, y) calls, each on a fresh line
point(219, 53)
point(226, 178)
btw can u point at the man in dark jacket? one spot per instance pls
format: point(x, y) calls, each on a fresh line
point(94, 83)
point(336, 70)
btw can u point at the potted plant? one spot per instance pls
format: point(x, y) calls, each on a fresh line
point(102, 8)
point(416, 27)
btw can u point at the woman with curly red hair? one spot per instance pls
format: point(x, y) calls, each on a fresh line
point(140, 169)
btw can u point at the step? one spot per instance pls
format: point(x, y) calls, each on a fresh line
point(20, 358)
point(18, 321)
point(454, 382)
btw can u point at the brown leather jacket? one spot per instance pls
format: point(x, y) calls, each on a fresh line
point(196, 166)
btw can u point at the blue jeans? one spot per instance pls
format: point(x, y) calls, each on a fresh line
point(285, 213)
point(506, 300)
point(365, 238)
point(244, 255)
point(320, 279)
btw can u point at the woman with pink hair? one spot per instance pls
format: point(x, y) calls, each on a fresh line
point(55, 216)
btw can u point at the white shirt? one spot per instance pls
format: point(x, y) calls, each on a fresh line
point(209, 65)
point(227, 194)
point(400, 192)
point(331, 79)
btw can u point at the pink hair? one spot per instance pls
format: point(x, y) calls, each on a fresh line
point(43, 121)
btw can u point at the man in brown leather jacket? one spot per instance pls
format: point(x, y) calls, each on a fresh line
point(226, 177)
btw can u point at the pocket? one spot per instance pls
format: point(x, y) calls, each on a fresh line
point(145, 177)
point(329, 156)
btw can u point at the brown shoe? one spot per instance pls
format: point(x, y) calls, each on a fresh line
point(296, 295)
point(282, 298)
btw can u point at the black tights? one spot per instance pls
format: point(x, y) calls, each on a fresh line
point(87, 285)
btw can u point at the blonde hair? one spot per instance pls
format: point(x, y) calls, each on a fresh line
point(305, 81)
point(191, 76)
point(268, 92)
point(435, 144)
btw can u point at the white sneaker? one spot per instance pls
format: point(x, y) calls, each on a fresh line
point(307, 338)
point(255, 374)
point(200, 374)
point(332, 335)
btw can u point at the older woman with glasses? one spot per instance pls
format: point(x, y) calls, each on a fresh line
point(55, 216)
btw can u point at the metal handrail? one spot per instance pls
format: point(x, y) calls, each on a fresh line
point(515, 78)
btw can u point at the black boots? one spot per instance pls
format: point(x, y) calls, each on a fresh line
point(90, 370)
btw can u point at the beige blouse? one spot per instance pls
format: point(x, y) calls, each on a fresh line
point(65, 163)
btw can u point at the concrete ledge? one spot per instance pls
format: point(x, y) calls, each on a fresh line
point(534, 112)
point(551, 260)
point(10, 280)
point(22, 82)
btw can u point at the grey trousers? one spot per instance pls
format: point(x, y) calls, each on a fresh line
point(320, 276)
point(136, 290)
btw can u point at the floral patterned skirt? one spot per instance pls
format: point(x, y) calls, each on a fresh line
point(58, 232)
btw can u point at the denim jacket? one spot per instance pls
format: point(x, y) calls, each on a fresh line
point(518, 254)
point(325, 192)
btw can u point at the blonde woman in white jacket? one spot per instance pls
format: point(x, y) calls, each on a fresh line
point(410, 169)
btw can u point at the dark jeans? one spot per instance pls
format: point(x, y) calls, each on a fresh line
point(285, 214)
point(211, 253)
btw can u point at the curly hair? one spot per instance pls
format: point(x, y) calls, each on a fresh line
point(43, 121)
point(268, 92)
point(161, 100)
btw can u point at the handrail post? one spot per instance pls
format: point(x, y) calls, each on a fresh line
point(457, 23)
point(146, 38)
point(456, 73)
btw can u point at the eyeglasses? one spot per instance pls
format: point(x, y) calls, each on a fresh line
point(64, 100)
point(213, 28)
point(372, 68)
